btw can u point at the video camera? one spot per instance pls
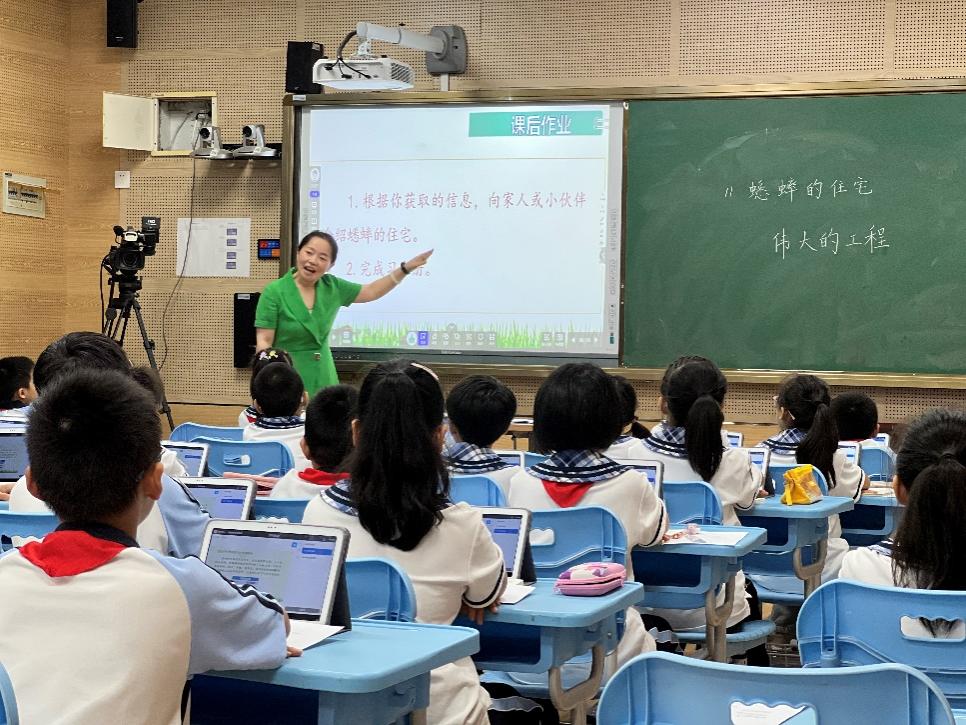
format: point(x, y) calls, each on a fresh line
point(127, 255)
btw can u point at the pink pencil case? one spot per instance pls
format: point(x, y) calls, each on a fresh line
point(591, 580)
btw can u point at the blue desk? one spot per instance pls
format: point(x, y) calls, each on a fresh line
point(688, 576)
point(792, 530)
point(378, 672)
point(544, 630)
point(873, 519)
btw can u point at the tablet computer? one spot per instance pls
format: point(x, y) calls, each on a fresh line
point(760, 457)
point(298, 564)
point(193, 456)
point(510, 529)
point(223, 498)
point(882, 439)
point(654, 470)
point(13, 453)
point(514, 458)
point(852, 451)
point(735, 439)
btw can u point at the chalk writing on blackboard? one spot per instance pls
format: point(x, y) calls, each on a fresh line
point(787, 242)
point(788, 187)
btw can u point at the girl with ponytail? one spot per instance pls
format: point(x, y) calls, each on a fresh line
point(395, 505)
point(929, 548)
point(809, 435)
point(690, 446)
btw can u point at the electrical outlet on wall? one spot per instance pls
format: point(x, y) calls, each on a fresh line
point(122, 179)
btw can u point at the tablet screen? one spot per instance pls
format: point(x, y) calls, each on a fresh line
point(191, 457)
point(13, 455)
point(757, 458)
point(222, 500)
point(505, 530)
point(735, 439)
point(292, 567)
point(514, 459)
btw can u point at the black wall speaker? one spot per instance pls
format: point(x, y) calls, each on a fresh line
point(244, 328)
point(299, 60)
point(122, 23)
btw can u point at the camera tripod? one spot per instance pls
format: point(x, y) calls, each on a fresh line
point(116, 316)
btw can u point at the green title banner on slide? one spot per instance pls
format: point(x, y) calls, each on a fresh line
point(537, 123)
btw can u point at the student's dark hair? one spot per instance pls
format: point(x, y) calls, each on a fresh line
point(628, 398)
point(264, 358)
point(77, 350)
point(278, 391)
point(399, 482)
point(807, 399)
point(675, 364)
point(695, 394)
point(856, 416)
point(930, 543)
point(14, 374)
point(318, 234)
point(328, 426)
point(149, 379)
point(93, 435)
point(481, 408)
point(577, 408)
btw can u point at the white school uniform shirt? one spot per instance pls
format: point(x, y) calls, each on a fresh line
point(873, 565)
point(175, 526)
point(466, 459)
point(456, 562)
point(291, 437)
point(108, 632)
point(628, 448)
point(294, 485)
point(737, 482)
point(631, 498)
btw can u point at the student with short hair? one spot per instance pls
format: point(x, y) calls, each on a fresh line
point(177, 524)
point(83, 649)
point(396, 505)
point(480, 409)
point(327, 443)
point(148, 378)
point(857, 418)
point(17, 389)
point(262, 359)
point(809, 435)
point(279, 396)
point(628, 444)
point(576, 416)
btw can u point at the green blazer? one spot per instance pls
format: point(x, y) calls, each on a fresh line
point(303, 334)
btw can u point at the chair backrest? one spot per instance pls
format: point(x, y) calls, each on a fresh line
point(187, 432)
point(692, 502)
point(8, 702)
point(847, 623)
point(25, 524)
point(259, 458)
point(532, 459)
point(777, 475)
point(660, 688)
point(878, 463)
point(290, 509)
point(379, 589)
point(476, 491)
point(579, 535)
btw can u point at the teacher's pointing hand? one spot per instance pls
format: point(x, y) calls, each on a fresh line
point(418, 261)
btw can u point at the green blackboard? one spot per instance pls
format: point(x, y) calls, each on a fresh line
point(823, 233)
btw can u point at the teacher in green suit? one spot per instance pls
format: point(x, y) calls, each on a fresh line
point(295, 313)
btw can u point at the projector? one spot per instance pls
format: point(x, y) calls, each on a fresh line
point(363, 74)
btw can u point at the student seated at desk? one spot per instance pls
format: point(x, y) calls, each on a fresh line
point(628, 444)
point(576, 415)
point(690, 448)
point(396, 506)
point(148, 379)
point(857, 419)
point(810, 435)
point(262, 359)
point(929, 548)
point(279, 398)
point(177, 524)
point(107, 632)
point(480, 409)
point(17, 389)
point(327, 443)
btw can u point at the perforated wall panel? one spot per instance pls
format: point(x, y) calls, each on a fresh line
point(244, 25)
point(930, 38)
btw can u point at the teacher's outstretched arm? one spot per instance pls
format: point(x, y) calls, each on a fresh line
point(382, 286)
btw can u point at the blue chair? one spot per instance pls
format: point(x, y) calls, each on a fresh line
point(777, 475)
point(660, 688)
point(692, 502)
point(532, 459)
point(476, 491)
point(290, 509)
point(8, 702)
point(25, 524)
point(873, 519)
point(187, 432)
point(846, 623)
point(257, 458)
point(580, 535)
point(379, 589)
point(878, 463)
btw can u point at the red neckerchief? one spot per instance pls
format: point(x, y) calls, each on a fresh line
point(69, 553)
point(566, 495)
point(321, 478)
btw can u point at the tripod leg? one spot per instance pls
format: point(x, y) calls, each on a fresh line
point(149, 350)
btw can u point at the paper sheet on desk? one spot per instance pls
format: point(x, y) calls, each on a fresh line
point(514, 593)
point(721, 538)
point(879, 491)
point(304, 633)
point(760, 714)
